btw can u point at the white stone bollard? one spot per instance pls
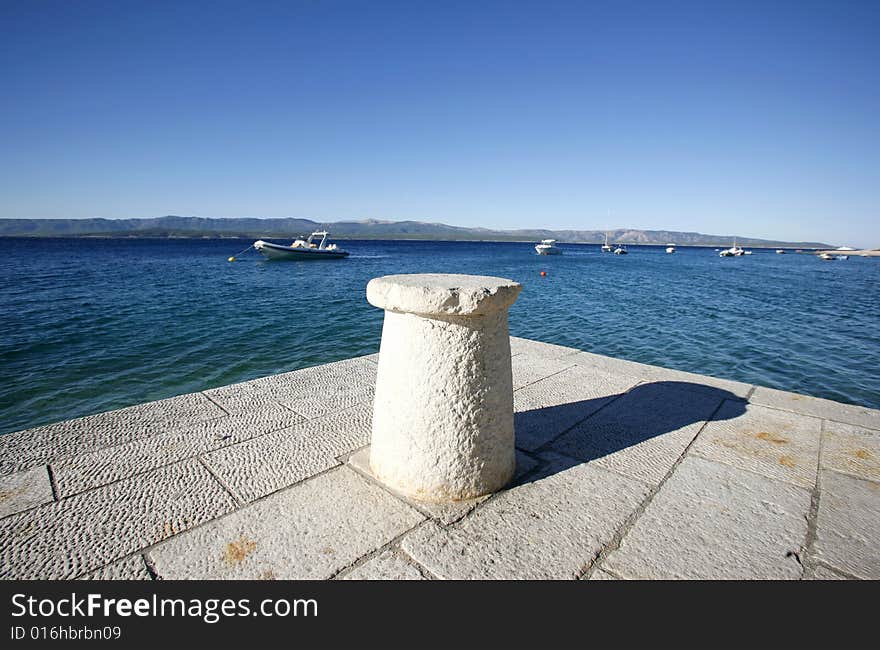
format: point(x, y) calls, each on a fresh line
point(443, 411)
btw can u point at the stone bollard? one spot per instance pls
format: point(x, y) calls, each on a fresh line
point(443, 411)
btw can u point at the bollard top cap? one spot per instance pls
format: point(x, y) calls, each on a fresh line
point(436, 294)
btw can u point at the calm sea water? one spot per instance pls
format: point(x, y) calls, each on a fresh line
point(93, 324)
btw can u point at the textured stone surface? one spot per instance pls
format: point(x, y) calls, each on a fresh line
point(311, 392)
point(824, 573)
point(310, 531)
point(539, 349)
point(130, 568)
point(817, 407)
point(780, 445)
point(851, 450)
point(444, 512)
point(547, 408)
point(436, 294)
point(551, 528)
point(385, 566)
point(68, 538)
point(25, 449)
point(599, 574)
point(656, 373)
point(24, 490)
point(848, 525)
point(443, 423)
point(160, 477)
point(528, 369)
point(78, 473)
point(712, 522)
point(643, 433)
point(263, 465)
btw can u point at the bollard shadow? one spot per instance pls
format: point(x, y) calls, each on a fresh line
point(570, 434)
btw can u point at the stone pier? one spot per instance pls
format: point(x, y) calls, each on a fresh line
point(624, 471)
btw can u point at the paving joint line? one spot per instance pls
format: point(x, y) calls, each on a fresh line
point(628, 523)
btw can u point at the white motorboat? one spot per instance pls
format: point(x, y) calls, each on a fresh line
point(828, 257)
point(621, 250)
point(843, 257)
point(733, 251)
point(780, 251)
point(301, 249)
point(670, 248)
point(606, 248)
point(547, 247)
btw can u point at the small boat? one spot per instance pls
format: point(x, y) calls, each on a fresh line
point(606, 248)
point(547, 247)
point(733, 251)
point(621, 250)
point(670, 248)
point(828, 257)
point(301, 249)
point(780, 251)
point(843, 257)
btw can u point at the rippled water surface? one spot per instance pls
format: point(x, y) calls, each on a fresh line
point(96, 324)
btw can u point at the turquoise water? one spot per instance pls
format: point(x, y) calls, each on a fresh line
point(95, 324)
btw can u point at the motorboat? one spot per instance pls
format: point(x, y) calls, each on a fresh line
point(606, 248)
point(828, 257)
point(547, 247)
point(780, 251)
point(301, 249)
point(843, 257)
point(670, 248)
point(733, 251)
point(621, 250)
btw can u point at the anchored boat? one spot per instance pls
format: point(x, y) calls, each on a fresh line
point(301, 249)
point(547, 247)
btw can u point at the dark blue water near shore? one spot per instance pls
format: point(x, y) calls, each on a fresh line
point(95, 324)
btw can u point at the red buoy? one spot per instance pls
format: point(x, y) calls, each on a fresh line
point(543, 274)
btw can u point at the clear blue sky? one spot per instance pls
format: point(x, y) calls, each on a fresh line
point(722, 117)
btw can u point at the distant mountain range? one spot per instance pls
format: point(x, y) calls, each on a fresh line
point(172, 226)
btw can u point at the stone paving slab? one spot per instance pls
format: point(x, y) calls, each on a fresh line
point(817, 407)
point(24, 490)
point(599, 574)
point(130, 568)
point(78, 473)
point(545, 409)
point(550, 528)
point(780, 445)
point(528, 369)
point(444, 513)
point(539, 349)
point(712, 522)
point(310, 531)
point(67, 538)
point(263, 465)
point(643, 433)
point(824, 573)
point(385, 566)
point(851, 450)
point(311, 392)
point(656, 373)
point(848, 525)
point(25, 449)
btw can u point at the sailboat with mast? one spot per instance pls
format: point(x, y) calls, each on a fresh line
point(606, 248)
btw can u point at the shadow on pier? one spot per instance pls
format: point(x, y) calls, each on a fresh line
point(573, 433)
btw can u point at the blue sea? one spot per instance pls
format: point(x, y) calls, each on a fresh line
point(90, 325)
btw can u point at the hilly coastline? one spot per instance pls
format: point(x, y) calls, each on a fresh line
point(175, 226)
